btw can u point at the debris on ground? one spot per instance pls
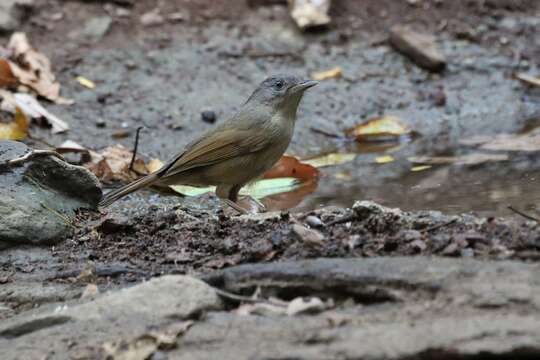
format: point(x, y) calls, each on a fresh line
point(41, 195)
point(33, 69)
point(468, 159)
point(310, 13)
point(333, 73)
point(420, 48)
point(384, 128)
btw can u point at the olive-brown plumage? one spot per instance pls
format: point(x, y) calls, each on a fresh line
point(237, 151)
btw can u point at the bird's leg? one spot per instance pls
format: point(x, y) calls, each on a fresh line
point(256, 201)
point(229, 195)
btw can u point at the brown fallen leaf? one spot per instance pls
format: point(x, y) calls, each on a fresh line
point(379, 129)
point(33, 69)
point(17, 129)
point(113, 164)
point(7, 79)
point(289, 166)
point(469, 159)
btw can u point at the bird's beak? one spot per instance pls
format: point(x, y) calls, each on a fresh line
point(304, 85)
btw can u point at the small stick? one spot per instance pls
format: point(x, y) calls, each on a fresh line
point(342, 220)
point(32, 154)
point(135, 147)
point(529, 217)
point(438, 226)
point(236, 297)
point(324, 132)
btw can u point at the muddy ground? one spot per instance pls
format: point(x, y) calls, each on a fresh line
point(163, 76)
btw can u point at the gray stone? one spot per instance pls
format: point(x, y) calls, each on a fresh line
point(39, 196)
point(392, 308)
point(12, 13)
point(110, 317)
point(420, 48)
point(93, 30)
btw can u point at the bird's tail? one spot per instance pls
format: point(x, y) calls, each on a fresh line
point(114, 195)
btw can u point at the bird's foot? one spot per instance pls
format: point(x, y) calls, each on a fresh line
point(236, 207)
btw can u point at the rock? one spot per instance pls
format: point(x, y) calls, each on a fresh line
point(420, 48)
point(208, 116)
point(152, 18)
point(39, 196)
point(13, 12)
point(461, 307)
point(314, 221)
point(310, 13)
point(309, 237)
point(93, 30)
point(111, 317)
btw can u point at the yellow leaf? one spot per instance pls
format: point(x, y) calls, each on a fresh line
point(154, 165)
point(379, 128)
point(85, 82)
point(327, 74)
point(384, 159)
point(330, 159)
point(17, 129)
point(420, 168)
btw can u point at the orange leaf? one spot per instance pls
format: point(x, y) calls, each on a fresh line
point(289, 166)
point(7, 78)
point(17, 129)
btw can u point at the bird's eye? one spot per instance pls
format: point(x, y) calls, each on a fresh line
point(279, 85)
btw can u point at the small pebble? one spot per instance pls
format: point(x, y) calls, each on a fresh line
point(467, 252)
point(100, 123)
point(208, 116)
point(314, 221)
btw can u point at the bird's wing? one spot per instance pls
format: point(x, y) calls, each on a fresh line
point(216, 147)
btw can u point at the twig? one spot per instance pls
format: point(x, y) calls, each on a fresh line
point(32, 154)
point(135, 147)
point(324, 132)
point(529, 217)
point(342, 220)
point(438, 226)
point(236, 297)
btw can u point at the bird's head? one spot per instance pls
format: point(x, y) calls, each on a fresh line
point(282, 93)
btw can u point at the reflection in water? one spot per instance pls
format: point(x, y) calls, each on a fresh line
point(486, 190)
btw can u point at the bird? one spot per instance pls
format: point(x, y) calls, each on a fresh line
point(239, 150)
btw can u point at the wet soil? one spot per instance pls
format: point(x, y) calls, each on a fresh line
point(162, 77)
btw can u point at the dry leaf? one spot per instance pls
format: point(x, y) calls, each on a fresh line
point(301, 305)
point(528, 79)
point(7, 78)
point(289, 166)
point(469, 159)
point(34, 109)
point(328, 74)
point(85, 82)
point(330, 159)
point(384, 159)
point(17, 129)
point(420, 168)
point(154, 165)
point(113, 164)
point(309, 13)
point(387, 127)
point(33, 69)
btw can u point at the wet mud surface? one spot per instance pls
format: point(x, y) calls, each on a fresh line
point(471, 268)
point(162, 77)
